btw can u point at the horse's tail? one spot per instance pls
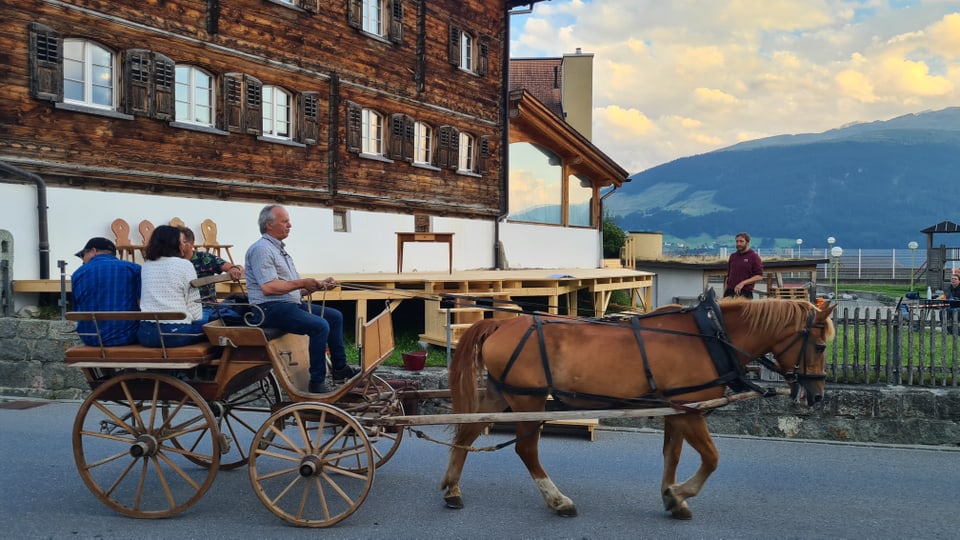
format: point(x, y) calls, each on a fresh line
point(467, 366)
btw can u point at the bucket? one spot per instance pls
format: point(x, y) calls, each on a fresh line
point(414, 361)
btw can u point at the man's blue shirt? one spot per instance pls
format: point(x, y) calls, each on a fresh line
point(107, 283)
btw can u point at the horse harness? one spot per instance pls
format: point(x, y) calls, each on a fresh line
point(723, 353)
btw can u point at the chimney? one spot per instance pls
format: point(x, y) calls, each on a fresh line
point(577, 91)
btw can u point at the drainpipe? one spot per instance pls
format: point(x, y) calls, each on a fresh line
point(504, 145)
point(41, 214)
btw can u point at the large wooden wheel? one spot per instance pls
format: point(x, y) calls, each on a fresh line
point(301, 470)
point(237, 421)
point(123, 445)
point(370, 399)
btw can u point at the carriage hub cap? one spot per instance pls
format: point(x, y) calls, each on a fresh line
point(310, 465)
point(145, 446)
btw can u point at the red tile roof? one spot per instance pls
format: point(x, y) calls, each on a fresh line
point(541, 77)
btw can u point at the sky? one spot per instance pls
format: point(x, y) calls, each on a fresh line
point(683, 77)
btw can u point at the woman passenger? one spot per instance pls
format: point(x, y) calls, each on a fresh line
point(165, 286)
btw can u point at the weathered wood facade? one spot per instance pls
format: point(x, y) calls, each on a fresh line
point(314, 50)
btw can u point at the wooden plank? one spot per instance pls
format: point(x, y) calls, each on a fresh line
point(136, 365)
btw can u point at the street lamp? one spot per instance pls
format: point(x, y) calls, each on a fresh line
point(799, 242)
point(913, 250)
point(830, 241)
point(836, 252)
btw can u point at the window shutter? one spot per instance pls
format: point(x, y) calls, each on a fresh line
point(309, 117)
point(483, 156)
point(354, 127)
point(253, 110)
point(396, 136)
point(408, 138)
point(138, 74)
point(453, 47)
point(396, 21)
point(483, 53)
point(443, 147)
point(164, 80)
point(355, 14)
point(454, 155)
point(46, 63)
point(310, 6)
point(233, 102)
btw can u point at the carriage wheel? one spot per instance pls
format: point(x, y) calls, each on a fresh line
point(259, 397)
point(370, 399)
point(296, 464)
point(123, 445)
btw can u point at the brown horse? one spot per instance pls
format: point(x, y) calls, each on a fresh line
point(663, 357)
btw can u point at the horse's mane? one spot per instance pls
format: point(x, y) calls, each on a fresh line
point(771, 315)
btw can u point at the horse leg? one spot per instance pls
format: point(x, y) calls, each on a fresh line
point(693, 429)
point(464, 436)
point(528, 439)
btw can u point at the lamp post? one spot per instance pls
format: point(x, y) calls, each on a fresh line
point(913, 251)
point(799, 243)
point(836, 252)
point(830, 241)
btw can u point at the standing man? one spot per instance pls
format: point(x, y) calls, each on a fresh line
point(274, 284)
point(105, 283)
point(744, 268)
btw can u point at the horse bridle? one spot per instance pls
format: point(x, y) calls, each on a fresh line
point(796, 375)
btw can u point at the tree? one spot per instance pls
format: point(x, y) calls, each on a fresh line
point(613, 238)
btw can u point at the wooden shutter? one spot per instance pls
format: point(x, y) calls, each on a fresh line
point(46, 63)
point(396, 137)
point(138, 76)
point(483, 154)
point(448, 145)
point(354, 127)
point(453, 46)
point(395, 33)
point(164, 82)
point(310, 6)
point(483, 54)
point(454, 155)
point(233, 102)
point(253, 105)
point(309, 117)
point(355, 14)
point(409, 127)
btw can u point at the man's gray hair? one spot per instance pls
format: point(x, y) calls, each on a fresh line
point(266, 216)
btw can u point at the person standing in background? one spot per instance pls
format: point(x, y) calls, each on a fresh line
point(744, 268)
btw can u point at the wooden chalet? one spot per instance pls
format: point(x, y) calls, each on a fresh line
point(374, 121)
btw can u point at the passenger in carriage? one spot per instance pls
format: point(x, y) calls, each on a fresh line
point(105, 283)
point(207, 264)
point(165, 287)
point(274, 285)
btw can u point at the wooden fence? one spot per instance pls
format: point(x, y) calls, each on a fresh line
point(918, 347)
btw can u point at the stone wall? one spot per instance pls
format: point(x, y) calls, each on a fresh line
point(31, 365)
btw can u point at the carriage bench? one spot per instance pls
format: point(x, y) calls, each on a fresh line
point(92, 356)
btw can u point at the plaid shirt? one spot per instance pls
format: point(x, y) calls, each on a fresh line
point(207, 264)
point(106, 283)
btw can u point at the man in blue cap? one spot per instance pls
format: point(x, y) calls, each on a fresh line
point(105, 283)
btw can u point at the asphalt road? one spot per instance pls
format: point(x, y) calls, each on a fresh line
point(763, 489)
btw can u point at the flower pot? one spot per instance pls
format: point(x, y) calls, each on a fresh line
point(414, 361)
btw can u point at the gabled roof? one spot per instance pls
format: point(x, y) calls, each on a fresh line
point(546, 128)
point(942, 227)
point(542, 77)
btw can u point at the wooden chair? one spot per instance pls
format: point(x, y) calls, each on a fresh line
point(146, 230)
point(177, 222)
point(209, 230)
point(125, 249)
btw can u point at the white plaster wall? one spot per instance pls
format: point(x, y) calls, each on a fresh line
point(541, 246)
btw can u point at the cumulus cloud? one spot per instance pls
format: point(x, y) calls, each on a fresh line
point(684, 77)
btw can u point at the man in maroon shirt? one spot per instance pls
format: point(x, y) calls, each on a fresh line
point(744, 268)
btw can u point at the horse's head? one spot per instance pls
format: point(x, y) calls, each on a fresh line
point(805, 350)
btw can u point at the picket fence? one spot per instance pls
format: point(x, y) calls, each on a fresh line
point(917, 346)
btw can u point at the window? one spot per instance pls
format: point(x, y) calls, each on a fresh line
point(579, 201)
point(466, 159)
point(422, 143)
point(309, 117)
point(381, 18)
point(276, 112)
point(88, 74)
point(340, 223)
point(194, 96)
point(466, 52)
point(536, 184)
point(371, 132)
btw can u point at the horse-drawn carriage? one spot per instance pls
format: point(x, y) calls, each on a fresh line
point(159, 423)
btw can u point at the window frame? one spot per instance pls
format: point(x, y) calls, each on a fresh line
point(192, 89)
point(366, 137)
point(269, 112)
point(88, 52)
point(467, 153)
point(423, 142)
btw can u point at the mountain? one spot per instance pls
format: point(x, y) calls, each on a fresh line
point(870, 185)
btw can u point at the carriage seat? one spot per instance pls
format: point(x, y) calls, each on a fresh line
point(138, 356)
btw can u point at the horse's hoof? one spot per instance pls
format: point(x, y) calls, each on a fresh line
point(567, 512)
point(682, 513)
point(670, 501)
point(454, 502)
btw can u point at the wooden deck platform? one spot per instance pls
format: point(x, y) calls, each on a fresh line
point(503, 285)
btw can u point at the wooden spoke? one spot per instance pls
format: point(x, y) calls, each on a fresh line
point(371, 399)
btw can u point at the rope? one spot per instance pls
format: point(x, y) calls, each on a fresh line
point(494, 448)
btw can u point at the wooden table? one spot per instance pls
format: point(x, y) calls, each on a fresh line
point(404, 237)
